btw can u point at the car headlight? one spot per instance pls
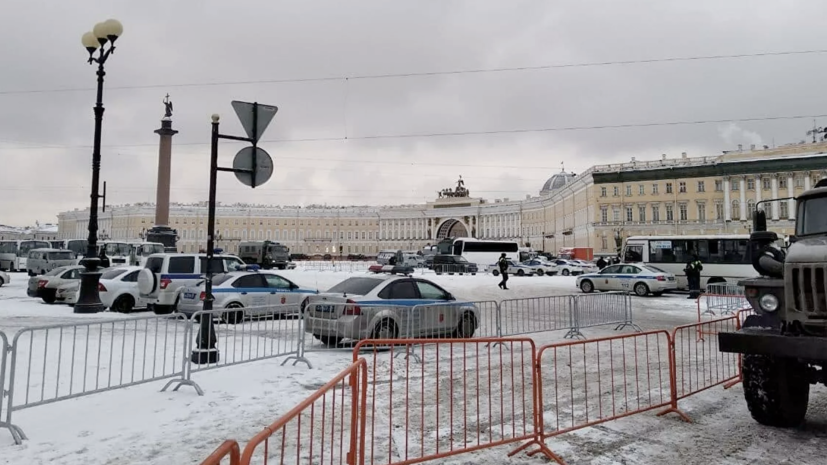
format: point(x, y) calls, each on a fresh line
point(768, 302)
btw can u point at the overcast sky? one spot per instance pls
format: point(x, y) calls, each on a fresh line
point(172, 47)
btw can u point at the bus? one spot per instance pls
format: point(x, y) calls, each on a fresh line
point(483, 252)
point(76, 246)
point(13, 254)
point(726, 258)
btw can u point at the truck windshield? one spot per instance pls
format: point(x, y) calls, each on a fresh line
point(812, 217)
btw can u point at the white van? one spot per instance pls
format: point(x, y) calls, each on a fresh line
point(166, 274)
point(42, 261)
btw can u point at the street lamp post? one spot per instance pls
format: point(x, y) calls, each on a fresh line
point(95, 41)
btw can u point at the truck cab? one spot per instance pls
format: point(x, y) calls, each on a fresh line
point(784, 344)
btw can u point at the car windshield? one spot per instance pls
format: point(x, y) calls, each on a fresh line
point(812, 216)
point(149, 249)
point(113, 273)
point(654, 269)
point(356, 286)
point(118, 249)
point(219, 279)
point(60, 255)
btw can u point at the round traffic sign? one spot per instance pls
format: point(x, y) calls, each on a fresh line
point(263, 166)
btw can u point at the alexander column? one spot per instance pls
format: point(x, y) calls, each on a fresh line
point(161, 232)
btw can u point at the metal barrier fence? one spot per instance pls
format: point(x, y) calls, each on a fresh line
point(343, 265)
point(466, 395)
point(602, 309)
point(227, 449)
point(323, 429)
point(537, 314)
point(585, 383)
point(722, 299)
point(698, 364)
point(243, 335)
point(53, 363)
point(17, 434)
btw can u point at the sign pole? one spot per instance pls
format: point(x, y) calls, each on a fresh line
point(255, 144)
point(206, 351)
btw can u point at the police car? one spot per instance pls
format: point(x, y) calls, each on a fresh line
point(249, 293)
point(640, 279)
point(384, 307)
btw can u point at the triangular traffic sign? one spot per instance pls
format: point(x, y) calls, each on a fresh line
point(244, 110)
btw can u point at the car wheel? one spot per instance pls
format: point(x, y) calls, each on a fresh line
point(49, 297)
point(330, 341)
point(467, 326)
point(540, 272)
point(641, 289)
point(123, 304)
point(495, 273)
point(386, 329)
point(161, 309)
point(776, 390)
point(587, 286)
point(233, 318)
point(520, 273)
point(2, 282)
point(565, 272)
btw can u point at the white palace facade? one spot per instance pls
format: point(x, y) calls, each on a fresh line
point(597, 208)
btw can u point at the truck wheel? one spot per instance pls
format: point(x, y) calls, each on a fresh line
point(776, 390)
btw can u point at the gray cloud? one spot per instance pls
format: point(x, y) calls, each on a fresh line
point(201, 42)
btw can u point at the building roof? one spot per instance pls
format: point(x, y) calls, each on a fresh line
point(556, 182)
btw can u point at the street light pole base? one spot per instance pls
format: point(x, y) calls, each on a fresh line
point(204, 356)
point(88, 297)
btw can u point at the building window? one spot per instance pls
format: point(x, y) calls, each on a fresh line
point(670, 215)
point(655, 213)
point(702, 212)
point(736, 210)
point(604, 242)
point(799, 182)
point(782, 182)
point(641, 211)
point(668, 187)
point(604, 214)
point(629, 214)
point(766, 184)
point(784, 213)
point(682, 211)
point(701, 186)
point(751, 184)
point(616, 214)
point(719, 211)
point(814, 180)
point(628, 191)
point(682, 187)
point(734, 186)
point(641, 189)
point(655, 189)
point(603, 192)
point(616, 191)
point(719, 185)
point(750, 208)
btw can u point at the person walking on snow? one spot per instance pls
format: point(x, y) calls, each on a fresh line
point(693, 276)
point(502, 263)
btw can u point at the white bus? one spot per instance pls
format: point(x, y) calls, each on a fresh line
point(726, 258)
point(485, 253)
point(13, 254)
point(76, 246)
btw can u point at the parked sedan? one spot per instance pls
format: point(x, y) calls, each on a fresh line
point(118, 288)
point(514, 268)
point(641, 279)
point(587, 267)
point(4, 278)
point(542, 267)
point(384, 307)
point(569, 267)
point(259, 292)
point(68, 293)
point(45, 286)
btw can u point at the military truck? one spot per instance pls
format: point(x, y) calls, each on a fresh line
point(784, 344)
point(266, 254)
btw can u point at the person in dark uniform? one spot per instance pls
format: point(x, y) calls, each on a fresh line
point(104, 260)
point(601, 263)
point(502, 263)
point(693, 276)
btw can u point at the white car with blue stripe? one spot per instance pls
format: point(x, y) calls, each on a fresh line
point(640, 279)
point(247, 294)
point(387, 307)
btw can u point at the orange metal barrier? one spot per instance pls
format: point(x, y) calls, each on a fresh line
point(323, 429)
point(464, 395)
point(697, 363)
point(585, 383)
point(228, 448)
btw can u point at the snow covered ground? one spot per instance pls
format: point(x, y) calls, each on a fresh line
point(139, 424)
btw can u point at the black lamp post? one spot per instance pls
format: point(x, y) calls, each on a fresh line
point(95, 41)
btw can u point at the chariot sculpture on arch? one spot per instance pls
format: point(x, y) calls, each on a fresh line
point(460, 191)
